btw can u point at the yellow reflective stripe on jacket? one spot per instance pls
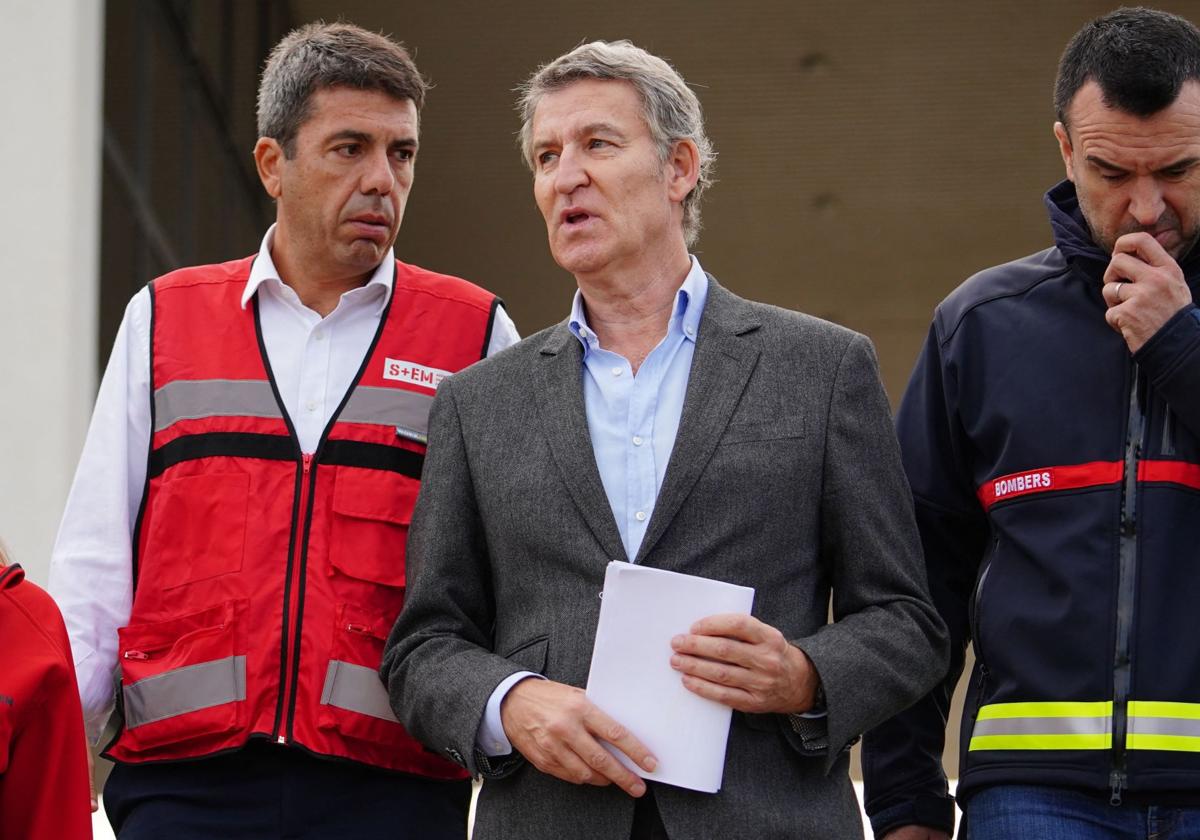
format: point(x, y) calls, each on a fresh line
point(1163, 725)
point(1071, 725)
point(1062, 725)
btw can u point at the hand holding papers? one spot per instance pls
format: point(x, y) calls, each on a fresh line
point(632, 680)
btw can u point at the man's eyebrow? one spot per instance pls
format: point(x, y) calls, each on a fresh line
point(1103, 164)
point(601, 128)
point(349, 134)
point(364, 137)
point(1184, 163)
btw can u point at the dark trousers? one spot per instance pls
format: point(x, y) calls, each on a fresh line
point(647, 822)
point(270, 792)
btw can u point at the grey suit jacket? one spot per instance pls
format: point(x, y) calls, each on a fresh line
point(785, 476)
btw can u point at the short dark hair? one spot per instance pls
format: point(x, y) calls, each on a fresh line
point(322, 55)
point(1139, 57)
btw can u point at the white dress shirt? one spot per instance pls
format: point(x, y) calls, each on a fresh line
point(314, 361)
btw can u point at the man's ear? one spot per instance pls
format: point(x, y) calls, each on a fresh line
point(1064, 147)
point(684, 169)
point(268, 159)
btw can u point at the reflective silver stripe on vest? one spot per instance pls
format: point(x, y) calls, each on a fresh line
point(1043, 726)
point(356, 688)
point(184, 690)
point(406, 410)
point(192, 399)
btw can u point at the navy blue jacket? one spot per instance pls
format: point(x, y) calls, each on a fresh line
point(1056, 479)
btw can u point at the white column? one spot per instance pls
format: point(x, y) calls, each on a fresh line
point(51, 84)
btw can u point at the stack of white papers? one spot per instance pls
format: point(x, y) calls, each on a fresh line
point(632, 680)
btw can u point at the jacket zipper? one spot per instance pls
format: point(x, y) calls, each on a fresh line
point(1126, 583)
point(1168, 438)
point(977, 599)
point(286, 685)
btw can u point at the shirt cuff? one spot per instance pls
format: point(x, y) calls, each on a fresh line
point(490, 739)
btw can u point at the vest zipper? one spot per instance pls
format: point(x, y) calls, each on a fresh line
point(286, 685)
point(306, 505)
point(1126, 585)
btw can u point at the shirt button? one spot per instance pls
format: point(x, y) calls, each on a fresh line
point(319, 335)
point(689, 330)
point(616, 371)
point(640, 516)
point(637, 440)
point(311, 406)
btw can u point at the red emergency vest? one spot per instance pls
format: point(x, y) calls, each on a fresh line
point(266, 581)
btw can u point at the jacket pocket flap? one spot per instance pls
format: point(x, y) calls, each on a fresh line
point(778, 428)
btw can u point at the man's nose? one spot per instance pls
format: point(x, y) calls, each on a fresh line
point(1146, 201)
point(570, 173)
point(377, 175)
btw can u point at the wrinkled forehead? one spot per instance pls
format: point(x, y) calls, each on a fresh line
point(585, 102)
point(1132, 141)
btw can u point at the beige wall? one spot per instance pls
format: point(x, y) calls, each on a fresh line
point(50, 168)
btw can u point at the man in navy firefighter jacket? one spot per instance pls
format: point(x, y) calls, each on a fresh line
point(1051, 435)
point(233, 546)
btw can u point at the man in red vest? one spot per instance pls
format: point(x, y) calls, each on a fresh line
point(233, 546)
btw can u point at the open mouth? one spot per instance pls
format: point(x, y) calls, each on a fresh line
point(576, 218)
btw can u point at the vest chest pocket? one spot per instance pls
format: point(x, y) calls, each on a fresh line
point(183, 678)
point(370, 514)
point(197, 529)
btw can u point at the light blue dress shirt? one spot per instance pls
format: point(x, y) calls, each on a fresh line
point(632, 420)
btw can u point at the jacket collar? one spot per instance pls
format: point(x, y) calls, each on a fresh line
point(1074, 239)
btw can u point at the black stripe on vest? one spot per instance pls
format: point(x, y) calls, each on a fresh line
point(221, 444)
point(373, 456)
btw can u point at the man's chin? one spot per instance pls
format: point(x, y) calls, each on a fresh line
point(579, 260)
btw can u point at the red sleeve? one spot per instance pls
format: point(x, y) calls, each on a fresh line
point(44, 781)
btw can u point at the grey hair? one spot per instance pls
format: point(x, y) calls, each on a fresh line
point(670, 108)
point(322, 55)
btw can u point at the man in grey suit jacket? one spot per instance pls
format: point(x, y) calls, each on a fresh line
point(671, 423)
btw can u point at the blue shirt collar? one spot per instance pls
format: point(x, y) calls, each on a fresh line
point(689, 306)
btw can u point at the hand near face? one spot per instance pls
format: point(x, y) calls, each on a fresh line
point(559, 731)
point(745, 664)
point(1143, 287)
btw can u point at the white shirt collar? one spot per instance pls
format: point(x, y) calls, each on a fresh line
point(264, 270)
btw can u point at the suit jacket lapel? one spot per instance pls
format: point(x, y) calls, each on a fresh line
point(721, 367)
point(564, 420)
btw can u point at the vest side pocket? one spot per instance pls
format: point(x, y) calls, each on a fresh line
point(183, 679)
point(354, 701)
point(370, 514)
point(197, 528)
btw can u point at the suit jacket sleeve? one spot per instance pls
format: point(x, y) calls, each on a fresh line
point(902, 758)
point(438, 663)
point(886, 646)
